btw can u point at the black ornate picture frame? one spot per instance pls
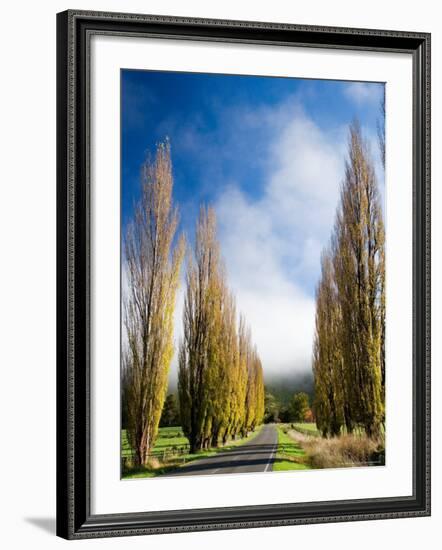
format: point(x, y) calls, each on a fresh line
point(74, 32)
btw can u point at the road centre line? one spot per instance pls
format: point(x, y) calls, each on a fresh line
point(271, 456)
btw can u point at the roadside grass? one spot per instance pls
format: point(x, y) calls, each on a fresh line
point(290, 455)
point(164, 461)
point(345, 451)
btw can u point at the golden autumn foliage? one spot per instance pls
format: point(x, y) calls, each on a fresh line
point(349, 345)
point(220, 383)
point(152, 267)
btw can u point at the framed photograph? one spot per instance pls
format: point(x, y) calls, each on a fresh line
point(243, 274)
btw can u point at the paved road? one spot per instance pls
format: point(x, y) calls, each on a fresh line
point(256, 456)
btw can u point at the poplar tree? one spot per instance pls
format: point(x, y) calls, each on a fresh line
point(327, 354)
point(260, 391)
point(232, 383)
point(240, 381)
point(200, 320)
point(152, 266)
point(245, 344)
point(254, 394)
point(348, 352)
point(359, 272)
point(381, 140)
point(221, 362)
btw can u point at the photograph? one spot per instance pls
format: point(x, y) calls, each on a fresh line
point(253, 299)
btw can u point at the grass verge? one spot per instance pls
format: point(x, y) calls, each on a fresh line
point(290, 455)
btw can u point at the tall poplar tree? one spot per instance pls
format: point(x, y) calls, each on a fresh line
point(382, 149)
point(260, 390)
point(152, 267)
point(350, 305)
point(222, 358)
point(359, 271)
point(254, 394)
point(201, 321)
point(327, 353)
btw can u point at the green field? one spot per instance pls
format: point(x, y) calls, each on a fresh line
point(310, 428)
point(169, 440)
point(168, 450)
point(290, 455)
point(307, 428)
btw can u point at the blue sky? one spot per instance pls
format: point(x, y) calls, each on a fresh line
point(268, 153)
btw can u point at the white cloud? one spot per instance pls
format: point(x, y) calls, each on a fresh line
point(272, 245)
point(363, 92)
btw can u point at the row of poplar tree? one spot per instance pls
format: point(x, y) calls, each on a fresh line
point(349, 343)
point(220, 379)
point(220, 386)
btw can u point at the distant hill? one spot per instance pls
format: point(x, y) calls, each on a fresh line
point(283, 387)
